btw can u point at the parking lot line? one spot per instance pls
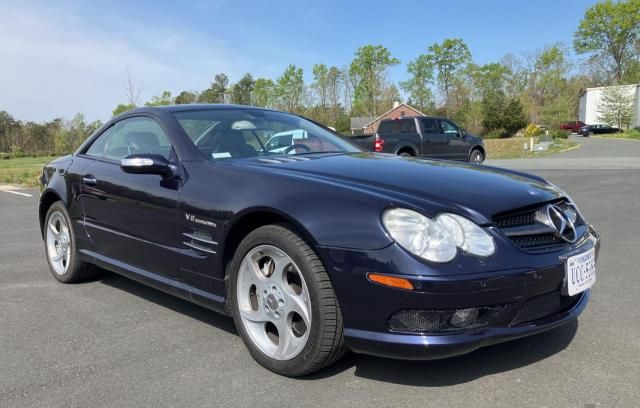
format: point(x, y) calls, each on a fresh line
point(16, 192)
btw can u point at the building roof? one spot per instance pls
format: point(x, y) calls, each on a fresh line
point(402, 105)
point(360, 122)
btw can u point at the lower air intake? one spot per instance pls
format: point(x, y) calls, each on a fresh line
point(543, 306)
point(438, 321)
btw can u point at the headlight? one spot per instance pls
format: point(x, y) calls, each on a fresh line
point(437, 240)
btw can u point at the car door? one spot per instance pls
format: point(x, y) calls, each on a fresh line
point(455, 145)
point(434, 143)
point(131, 218)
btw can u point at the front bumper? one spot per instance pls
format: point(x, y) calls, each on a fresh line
point(367, 307)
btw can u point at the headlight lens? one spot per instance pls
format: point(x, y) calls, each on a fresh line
point(437, 240)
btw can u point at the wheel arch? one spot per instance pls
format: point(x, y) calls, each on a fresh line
point(251, 219)
point(403, 147)
point(46, 201)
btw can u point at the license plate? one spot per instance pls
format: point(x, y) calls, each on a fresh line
point(580, 272)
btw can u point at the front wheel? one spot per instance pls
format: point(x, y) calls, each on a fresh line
point(283, 304)
point(476, 157)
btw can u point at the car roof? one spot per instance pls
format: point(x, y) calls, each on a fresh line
point(414, 117)
point(193, 107)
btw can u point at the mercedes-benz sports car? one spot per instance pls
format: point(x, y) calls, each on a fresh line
point(319, 247)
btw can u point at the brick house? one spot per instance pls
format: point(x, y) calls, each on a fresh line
point(399, 110)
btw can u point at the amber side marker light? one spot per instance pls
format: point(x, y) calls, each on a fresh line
point(390, 281)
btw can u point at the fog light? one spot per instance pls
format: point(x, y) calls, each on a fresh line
point(464, 317)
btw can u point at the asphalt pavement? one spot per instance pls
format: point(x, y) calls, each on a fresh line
point(116, 343)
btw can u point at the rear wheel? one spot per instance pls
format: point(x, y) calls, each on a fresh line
point(60, 247)
point(283, 304)
point(476, 156)
point(406, 153)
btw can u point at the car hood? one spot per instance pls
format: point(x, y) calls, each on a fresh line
point(476, 188)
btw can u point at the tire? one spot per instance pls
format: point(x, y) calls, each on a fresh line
point(406, 153)
point(476, 156)
point(59, 237)
point(260, 287)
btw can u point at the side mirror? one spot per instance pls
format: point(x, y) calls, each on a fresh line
point(147, 164)
point(462, 133)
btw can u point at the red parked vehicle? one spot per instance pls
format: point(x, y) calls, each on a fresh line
point(573, 126)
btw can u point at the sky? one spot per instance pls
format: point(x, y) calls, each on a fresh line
point(63, 57)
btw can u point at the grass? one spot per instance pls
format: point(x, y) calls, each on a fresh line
point(628, 134)
point(513, 148)
point(22, 170)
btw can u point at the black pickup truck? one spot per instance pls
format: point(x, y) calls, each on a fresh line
point(424, 136)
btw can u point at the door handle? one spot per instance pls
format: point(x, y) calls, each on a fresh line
point(89, 180)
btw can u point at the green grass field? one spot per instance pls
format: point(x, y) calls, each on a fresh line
point(22, 171)
point(512, 148)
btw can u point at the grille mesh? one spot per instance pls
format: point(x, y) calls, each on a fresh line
point(437, 321)
point(538, 237)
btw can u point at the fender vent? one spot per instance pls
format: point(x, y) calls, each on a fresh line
point(200, 241)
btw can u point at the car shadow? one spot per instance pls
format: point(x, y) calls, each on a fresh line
point(436, 373)
point(168, 301)
point(457, 370)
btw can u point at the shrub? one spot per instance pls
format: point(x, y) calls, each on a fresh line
point(559, 133)
point(533, 131)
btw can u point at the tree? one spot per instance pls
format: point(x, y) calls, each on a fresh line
point(514, 117)
point(289, 89)
point(418, 85)
point(131, 93)
point(368, 73)
point(616, 106)
point(160, 100)
point(186, 97)
point(449, 58)
point(611, 29)
point(241, 92)
point(216, 91)
point(493, 109)
point(262, 94)
point(122, 107)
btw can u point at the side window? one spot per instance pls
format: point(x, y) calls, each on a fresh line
point(384, 127)
point(429, 126)
point(448, 127)
point(131, 136)
point(408, 126)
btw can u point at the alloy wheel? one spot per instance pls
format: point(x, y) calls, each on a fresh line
point(273, 301)
point(58, 243)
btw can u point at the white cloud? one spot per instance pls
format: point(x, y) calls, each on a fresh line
point(54, 63)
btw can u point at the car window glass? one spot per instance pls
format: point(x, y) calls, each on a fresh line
point(429, 126)
point(242, 133)
point(408, 126)
point(131, 136)
point(448, 127)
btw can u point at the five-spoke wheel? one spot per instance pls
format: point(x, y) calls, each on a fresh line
point(273, 301)
point(283, 303)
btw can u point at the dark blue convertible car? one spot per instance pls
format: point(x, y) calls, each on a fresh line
point(313, 245)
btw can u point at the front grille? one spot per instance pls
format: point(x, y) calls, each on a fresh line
point(543, 306)
point(526, 232)
point(437, 321)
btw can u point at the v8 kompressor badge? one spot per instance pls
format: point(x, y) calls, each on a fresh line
point(193, 218)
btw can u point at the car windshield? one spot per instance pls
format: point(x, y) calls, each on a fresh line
point(238, 133)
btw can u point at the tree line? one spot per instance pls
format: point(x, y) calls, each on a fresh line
point(540, 86)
